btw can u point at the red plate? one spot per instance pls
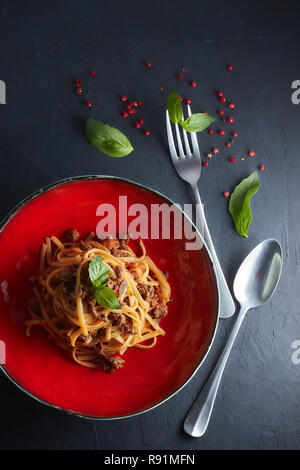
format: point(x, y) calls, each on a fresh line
point(148, 377)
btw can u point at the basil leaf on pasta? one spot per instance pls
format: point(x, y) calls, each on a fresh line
point(107, 298)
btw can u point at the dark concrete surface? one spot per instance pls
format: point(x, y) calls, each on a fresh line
point(44, 47)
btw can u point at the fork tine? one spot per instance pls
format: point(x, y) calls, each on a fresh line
point(193, 134)
point(172, 148)
point(180, 148)
point(186, 141)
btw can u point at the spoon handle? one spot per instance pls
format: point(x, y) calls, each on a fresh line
point(198, 417)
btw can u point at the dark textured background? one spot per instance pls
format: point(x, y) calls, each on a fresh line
point(45, 46)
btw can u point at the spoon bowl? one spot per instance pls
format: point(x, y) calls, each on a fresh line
point(258, 275)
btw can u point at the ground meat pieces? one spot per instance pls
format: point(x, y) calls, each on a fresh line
point(127, 327)
point(159, 311)
point(115, 363)
point(85, 246)
point(72, 235)
point(111, 243)
point(124, 242)
point(147, 292)
point(118, 271)
point(117, 318)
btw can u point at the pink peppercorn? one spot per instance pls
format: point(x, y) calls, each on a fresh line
point(251, 153)
point(205, 163)
point(146, 133)
point(226, 193)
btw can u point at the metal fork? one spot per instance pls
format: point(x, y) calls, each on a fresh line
point(188, 166)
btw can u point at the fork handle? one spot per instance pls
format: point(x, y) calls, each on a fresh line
point(227, 305)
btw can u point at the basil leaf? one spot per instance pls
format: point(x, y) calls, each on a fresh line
point(174, 107)
point(98, 272)
point(197, 122)
point(107, 139)
point(107, 298)
point(239, 204)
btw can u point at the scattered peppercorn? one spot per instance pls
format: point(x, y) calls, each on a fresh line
point(234, 134)
point(148, 64)
point(79, 91)
point(181, 99)
point(93, 73)
point(179, 76)
point(261, 167)
point(141, 121)
point(146, 133)
point(88, 104)
point(137, 125)
point(210, 131)
point(135, 104)
point(232, 159)
point(184, 70)
point(124, 114)
point(222, 99)
point(228, 144)
point(219, 94)
point(78, 82)
point(226, 193)
point(220, 112)
point(251, 153)
point(205, 163)
point(215, 150)
point(209, 155)
point(193, 84)
point(140, 103)
point(229, 67)
point(124, 98)
point(231, 105)
point(221, 132)
point(188, 101)
point(230, 119)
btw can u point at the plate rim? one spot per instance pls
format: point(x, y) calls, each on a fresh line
point(4, 221)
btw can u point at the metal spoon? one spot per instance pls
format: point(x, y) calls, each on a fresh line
point(254, 284)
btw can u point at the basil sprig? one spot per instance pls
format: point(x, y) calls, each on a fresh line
point(107, 139)
point(239, 204)
point(194, 123)
point(99, 273)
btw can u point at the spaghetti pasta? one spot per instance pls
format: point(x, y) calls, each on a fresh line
point(64, 302)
